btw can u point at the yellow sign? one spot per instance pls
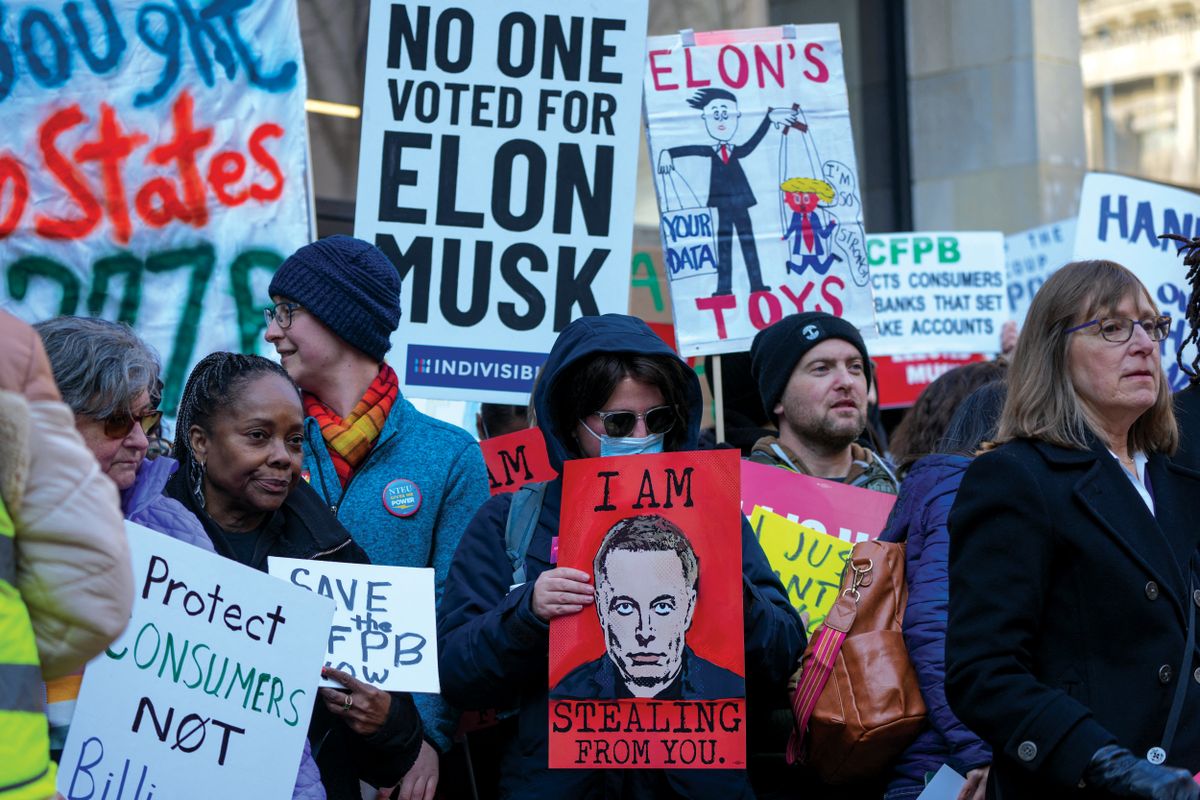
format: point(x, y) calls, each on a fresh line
point(809, 563)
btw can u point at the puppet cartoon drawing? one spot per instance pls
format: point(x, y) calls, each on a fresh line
point(811, 227)
point(729, 191)
point(647, 574)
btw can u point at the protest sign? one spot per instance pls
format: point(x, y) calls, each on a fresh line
point(749, 134)
point(1031, 257)
point(851, 513)
point(809, 563)
point(1122, 219)
point(515, 459)
point(660, 534)
point(945, 785)
point(497, 170)
point(149, 176)
point(938, 292)
point(901, 379)
point(384, 630)
point(209, 691)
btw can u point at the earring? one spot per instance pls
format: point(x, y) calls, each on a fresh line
point(198, 484)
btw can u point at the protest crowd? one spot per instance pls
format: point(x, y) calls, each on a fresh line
point(690, 562)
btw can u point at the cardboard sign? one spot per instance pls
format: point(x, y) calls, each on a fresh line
point(654, 675)
point(851, 513)
point(384, 630)
point(1121, 219)
point(515, 459)
point(154, 167)
point(901, 379)
point(809, 563)
point(938, 292)
point(1031, 257)
point(497, 170)
point(749, 134)
point(209, 691)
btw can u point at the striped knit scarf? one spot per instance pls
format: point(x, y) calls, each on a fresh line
point(349, 440)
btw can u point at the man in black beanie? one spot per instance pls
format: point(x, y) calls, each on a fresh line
point(813, 371)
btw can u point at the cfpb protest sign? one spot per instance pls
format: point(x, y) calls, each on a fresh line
point(515, 459)
point(654, 676)
point(209, 691)
point(938, 292)
point(749, 134)
point(809, 563)
point(1122, 219)
point(1031, 257)
point(384, 630)
point(153, 168)
point(497, 169)
point(850, 513)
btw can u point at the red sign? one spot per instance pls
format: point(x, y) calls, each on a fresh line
point(847, 512)
point(515, 459)
point(901, 378)
point(654, 675)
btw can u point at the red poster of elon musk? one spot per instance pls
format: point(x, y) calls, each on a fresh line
point(652, 676)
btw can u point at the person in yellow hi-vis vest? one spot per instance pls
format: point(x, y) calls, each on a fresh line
point(66, 586)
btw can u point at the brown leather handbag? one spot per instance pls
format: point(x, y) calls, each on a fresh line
point(858, 704)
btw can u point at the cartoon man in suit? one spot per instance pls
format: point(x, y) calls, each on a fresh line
point(728, 190)
point(646, 576)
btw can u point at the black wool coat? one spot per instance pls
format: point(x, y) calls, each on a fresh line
point(1068, 615)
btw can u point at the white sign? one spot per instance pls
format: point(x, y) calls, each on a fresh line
point(1032, 256)
point(154, 167)
point(384, 631)
point(946, 785)
point(1122, 219)
point(938, 292)
point(497, 170)
point(209, 691)
point(749, 135)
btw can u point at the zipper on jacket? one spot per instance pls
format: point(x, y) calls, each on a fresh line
point(331, 550)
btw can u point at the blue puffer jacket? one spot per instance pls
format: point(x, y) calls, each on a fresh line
point(446, 465)
point(920, 518)
point(145, 504)
point(493, 650)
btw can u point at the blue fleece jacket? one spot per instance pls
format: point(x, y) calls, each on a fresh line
point(494, 651)
point(445, 464)
point(920, 517)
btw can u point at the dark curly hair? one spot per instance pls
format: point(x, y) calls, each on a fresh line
point(918, 433)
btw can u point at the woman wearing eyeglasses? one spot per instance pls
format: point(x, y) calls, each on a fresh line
point(1071, 644)
point(610, 387)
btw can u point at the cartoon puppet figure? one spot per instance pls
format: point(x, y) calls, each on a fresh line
point(812, 235)
point(729, 191)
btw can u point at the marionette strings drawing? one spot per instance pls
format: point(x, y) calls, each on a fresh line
point(647, 578)
point(729, 192)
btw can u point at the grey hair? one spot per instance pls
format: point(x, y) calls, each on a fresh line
point(100, 366)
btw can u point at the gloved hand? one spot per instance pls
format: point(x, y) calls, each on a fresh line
point(1117, 770)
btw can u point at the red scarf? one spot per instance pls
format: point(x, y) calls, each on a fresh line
point(349, 440)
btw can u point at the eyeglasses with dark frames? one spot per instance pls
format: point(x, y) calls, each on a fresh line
point(281, 313)
point(659, 419)
point(1119, 330)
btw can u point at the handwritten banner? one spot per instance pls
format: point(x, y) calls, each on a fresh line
point(515, 459)
point(1121, 219)
point(851, 513)
point(660, 536)
point(384, 630)
point(809, 563)
point(209, 691)
point(757, 184)
point(152, 151)
point(1032, 256)
point(497, 169)
point(938, 292)
point(901, 379)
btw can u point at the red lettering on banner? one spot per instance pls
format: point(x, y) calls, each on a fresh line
point(182, 150)
point(718, 305)
point(10, 170)
point(266, 161)
point(822, 74)
point(774, 309)
point(656, 70)
point(70, 178)
point(226, 168)
point(692, 81)
point(111, 147)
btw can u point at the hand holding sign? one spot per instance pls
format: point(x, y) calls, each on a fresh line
point(362, 707)
point(561, 591)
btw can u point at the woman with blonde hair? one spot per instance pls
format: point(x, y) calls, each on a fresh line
point(1071, 637)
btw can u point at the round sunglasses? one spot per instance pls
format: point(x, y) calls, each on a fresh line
point(659, 419)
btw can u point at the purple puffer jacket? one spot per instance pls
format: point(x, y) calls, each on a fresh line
point(919, 517)
point(145, 504)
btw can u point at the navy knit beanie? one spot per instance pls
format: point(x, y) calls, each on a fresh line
point(777, 350)
point(348, 284)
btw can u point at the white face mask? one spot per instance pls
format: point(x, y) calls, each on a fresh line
point(627, 445)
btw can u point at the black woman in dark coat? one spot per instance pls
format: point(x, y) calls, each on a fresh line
point(1072, 548)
